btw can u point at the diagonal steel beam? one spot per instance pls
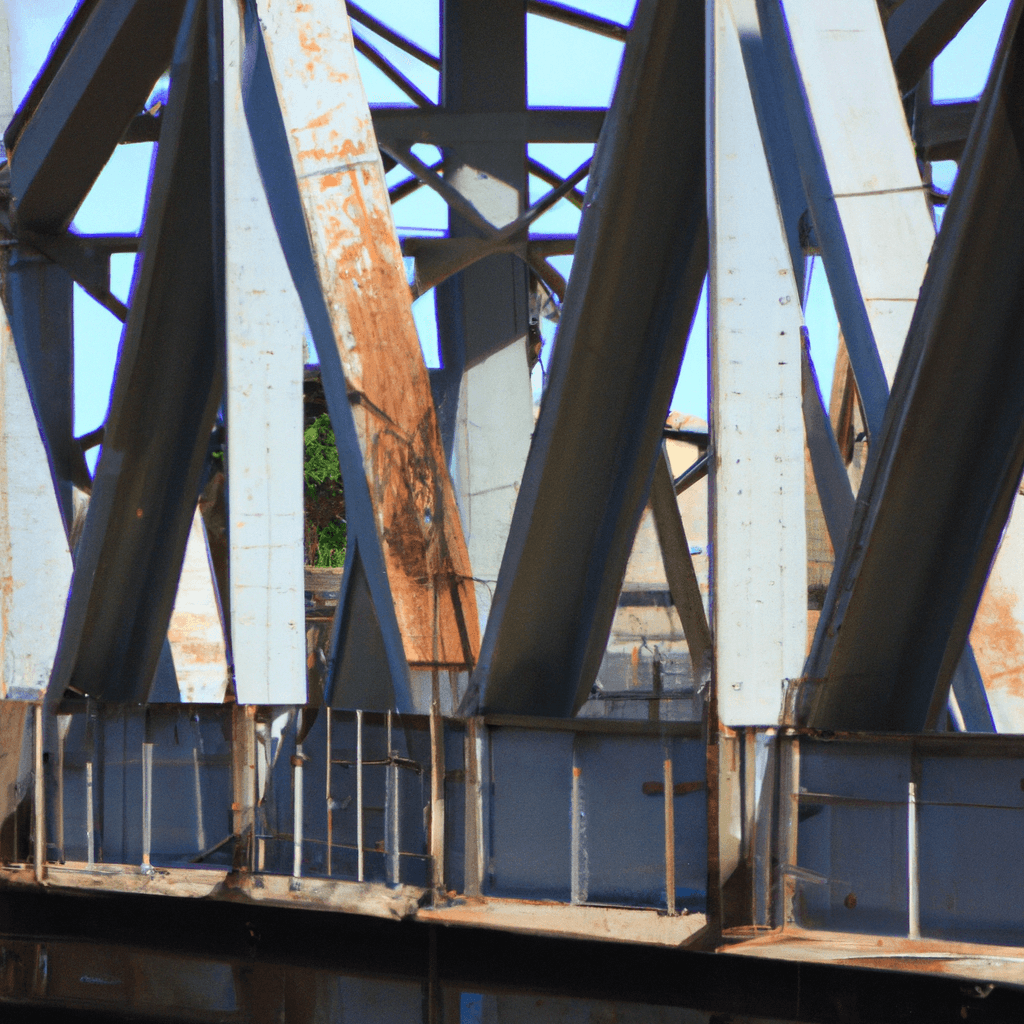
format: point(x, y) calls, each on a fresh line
point(343, 253)
point(941, 480)
point(640, 263)
point(168, 383)
point(101, 84)
point(918, 31)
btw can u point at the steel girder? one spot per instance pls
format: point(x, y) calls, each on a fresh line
point(98, 80)
point(941, 478)
point(641, 259)
point(168, 385)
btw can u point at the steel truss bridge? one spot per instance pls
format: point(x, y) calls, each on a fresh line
point(437, 785)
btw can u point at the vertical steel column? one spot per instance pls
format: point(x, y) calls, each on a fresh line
point(265, 327)
point(759, 563)
point(485, 395)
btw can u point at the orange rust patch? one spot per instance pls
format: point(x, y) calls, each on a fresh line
point(320, 122)
point(309, 44)
point(998, 641)
point(349, 148)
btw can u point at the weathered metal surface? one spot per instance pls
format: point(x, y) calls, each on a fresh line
point(997, 635)
point(636, 280)
point(359, 266)
point(38, 298)
point(759, 540)
point(168, 384)
point(35, 563)
point(99, 85)
point(196, 630)
point(483, 391)
point(265, 328)
point(938, 492)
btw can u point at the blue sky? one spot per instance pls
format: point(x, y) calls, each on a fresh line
point(556, 55)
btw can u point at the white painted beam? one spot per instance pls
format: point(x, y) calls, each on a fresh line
point(35, 563)
point(854, 102)
point(196, 631)
point(265, 327)
point(759, 544)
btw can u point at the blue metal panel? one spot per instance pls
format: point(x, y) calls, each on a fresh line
point(971, 857)
point(531, 779)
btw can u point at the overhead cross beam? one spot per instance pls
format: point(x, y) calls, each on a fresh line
point(96, 88)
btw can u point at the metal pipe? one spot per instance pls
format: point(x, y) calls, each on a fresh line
point(197, 781)
point(90, 838)
point(670, 834)
point(913, 895)
point(578, 885)
point(391, 816)
point(359, 795)
point(330, 809)
point(39, 805)
point(437, 771)
point(297, 806)
point(147, 806)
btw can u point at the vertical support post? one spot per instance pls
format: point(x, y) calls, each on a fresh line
point(913, 895)
point(359, 795)
point(39, 797)
point(90, 839)
point(391, 812)
point(327, 795)
point(579, 883)
point(437, 772)
point(243, 772)
point(265, 327)
point(789, 819)
point(485, 401)
point(297, 822)
point(670, 830)
point(474, 811)
point(197, 781)
point(759, 565)
point(63, 724)
point(147, 807)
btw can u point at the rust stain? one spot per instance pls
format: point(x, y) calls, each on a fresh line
point(347, 149)
point(309, 44)
point(998, 640)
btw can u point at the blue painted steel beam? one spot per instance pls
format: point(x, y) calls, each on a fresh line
point(640, 262)
point(942, 478)
point(97, 86)
point(168, 384)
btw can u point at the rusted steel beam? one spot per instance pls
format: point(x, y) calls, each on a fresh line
point(358, 265)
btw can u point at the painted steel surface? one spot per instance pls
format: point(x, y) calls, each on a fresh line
point(168, 384)
point(35, 563)
point(940, 484)
point(264, 332)
point(634, 289)
point(759, 565)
